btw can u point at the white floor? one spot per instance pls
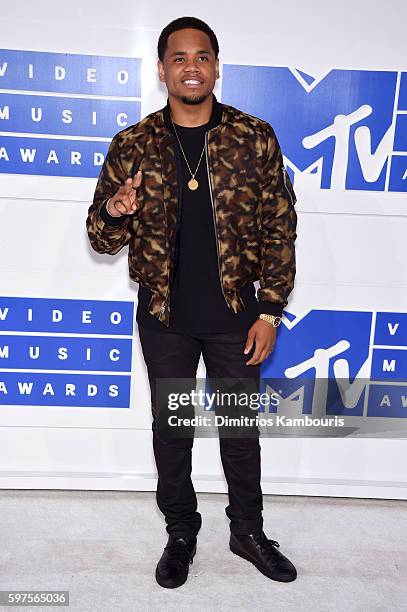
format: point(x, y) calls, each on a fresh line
point(350, 554)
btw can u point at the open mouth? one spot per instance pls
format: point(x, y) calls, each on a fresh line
point(192, 83)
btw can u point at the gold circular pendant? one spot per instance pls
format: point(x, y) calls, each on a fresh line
point(193, 184)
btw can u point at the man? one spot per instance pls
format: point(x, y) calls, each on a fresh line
point(199, 193)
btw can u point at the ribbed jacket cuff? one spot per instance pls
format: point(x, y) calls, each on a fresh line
point(109, 220)
point(273, 308)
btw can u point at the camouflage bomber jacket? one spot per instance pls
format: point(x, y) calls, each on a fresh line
point(252, 202)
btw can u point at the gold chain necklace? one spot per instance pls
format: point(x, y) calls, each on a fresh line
point(192, 183)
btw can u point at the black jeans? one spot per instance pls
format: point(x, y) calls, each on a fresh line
point(173, 355)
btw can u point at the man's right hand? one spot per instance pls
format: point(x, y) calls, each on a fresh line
point(124, 201)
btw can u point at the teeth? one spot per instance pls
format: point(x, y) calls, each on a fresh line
point(192, 82)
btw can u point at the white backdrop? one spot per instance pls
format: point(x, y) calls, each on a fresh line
point(350, 246)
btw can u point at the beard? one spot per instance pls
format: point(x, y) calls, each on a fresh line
point(194, 99)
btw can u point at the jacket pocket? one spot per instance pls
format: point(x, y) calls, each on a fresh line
point(288, 186)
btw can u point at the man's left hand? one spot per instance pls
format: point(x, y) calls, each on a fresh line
point(264, 335)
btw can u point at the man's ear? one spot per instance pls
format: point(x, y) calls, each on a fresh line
point(217, 68)
point(160, 67)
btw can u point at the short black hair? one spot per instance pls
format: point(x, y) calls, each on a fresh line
point(180, 24)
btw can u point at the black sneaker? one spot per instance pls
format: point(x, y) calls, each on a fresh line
point(172, 569)
point(260, 551)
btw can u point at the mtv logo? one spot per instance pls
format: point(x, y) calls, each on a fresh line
point(320, 364)
point(337, 364)
point(345, 131)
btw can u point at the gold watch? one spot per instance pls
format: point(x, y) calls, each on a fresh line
point(272, 319)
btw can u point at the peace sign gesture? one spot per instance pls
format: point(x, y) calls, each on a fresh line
point(124, 201)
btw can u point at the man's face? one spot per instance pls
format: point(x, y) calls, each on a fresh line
point(190, 68)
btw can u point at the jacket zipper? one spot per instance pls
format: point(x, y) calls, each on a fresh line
point(214, 216)
point(164, 305)
point(167, 295)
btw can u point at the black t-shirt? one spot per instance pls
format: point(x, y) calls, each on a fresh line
point(197, 304)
